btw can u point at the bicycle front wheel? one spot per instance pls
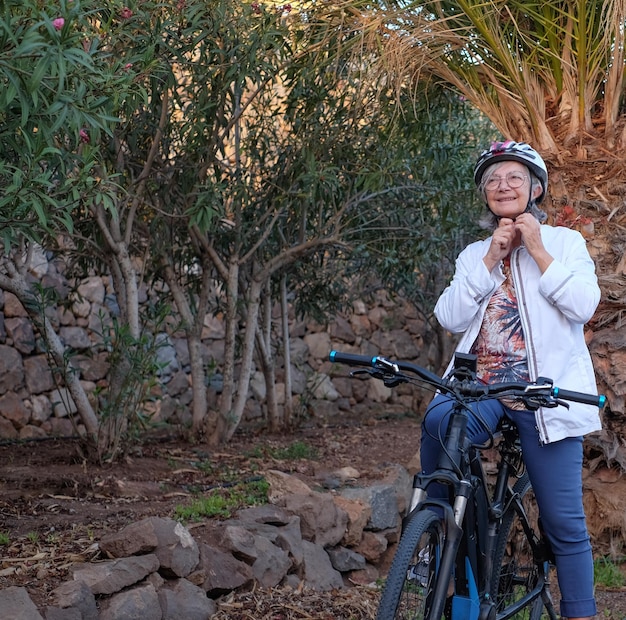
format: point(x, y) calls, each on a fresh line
point(515, 570)
point(409, 589)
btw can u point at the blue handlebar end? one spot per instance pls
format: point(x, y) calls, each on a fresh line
point(601, 400)
point(352, 359)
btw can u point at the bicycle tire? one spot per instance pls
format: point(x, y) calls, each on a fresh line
point(515, 573)
point(409, 588)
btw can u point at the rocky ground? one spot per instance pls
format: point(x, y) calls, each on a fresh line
point(54, 506)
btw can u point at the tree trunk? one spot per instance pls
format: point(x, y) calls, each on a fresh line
point(229, 420)
point(588, 196)
point(122, 270)
point(131, 294)
point(264, 346)
point(284, 317)
point(198, 385)
point(193, 331)
point(231, 320)
point(17, 284)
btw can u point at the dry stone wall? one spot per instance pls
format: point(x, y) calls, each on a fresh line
point(302, 540)
point(32, 405)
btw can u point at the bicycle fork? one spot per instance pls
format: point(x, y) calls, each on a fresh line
point(453, 519)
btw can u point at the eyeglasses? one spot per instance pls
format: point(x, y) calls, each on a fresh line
point(513, 180)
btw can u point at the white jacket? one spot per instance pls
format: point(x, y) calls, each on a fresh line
point(553, 307)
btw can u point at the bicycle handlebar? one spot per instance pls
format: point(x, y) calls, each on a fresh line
point(543, 387)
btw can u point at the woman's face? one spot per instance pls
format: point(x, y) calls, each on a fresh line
point(507, 189)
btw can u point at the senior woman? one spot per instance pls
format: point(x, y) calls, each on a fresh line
point(520, 299)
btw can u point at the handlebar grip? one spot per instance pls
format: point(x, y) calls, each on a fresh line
point(597, 400)
point(351, 359)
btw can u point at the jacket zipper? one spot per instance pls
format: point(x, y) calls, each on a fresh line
point(528, 335)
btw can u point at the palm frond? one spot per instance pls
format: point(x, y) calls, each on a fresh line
point(545, 71)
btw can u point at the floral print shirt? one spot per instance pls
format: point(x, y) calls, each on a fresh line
point(500, 345)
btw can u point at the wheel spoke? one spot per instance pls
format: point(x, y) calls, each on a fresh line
point(409, 589)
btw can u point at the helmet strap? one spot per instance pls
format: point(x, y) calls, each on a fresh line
point(531, 203)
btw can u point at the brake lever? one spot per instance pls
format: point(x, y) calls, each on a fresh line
point(362, 371)
point(390, 380)
point(534, 402)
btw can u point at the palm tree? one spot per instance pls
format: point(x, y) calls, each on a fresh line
point(549, 73)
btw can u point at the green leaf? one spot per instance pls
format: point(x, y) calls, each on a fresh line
point(41, 68)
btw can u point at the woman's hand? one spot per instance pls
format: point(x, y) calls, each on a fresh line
point(530, 230)
point(501, 242)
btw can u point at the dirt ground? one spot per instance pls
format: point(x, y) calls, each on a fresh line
point(54, 507)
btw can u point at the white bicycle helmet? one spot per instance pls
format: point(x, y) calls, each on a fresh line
point(513, 151)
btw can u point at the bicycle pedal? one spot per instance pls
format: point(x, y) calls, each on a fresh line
point(418, 573)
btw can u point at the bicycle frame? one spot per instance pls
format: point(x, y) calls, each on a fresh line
point(471, 518)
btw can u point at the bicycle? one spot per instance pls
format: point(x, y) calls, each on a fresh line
point(480, 555)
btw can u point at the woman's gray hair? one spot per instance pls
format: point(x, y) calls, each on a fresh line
point(488, 220)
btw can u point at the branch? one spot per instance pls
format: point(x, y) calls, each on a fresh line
point(211, 252)
point(145, 173)
point(292, 254)
point(261, 239)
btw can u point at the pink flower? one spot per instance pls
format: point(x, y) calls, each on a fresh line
point(126, 13)
point(256, 7)
point(128, 66)
point(58, 23)
point(84, 136)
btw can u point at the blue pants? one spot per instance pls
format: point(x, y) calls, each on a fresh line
point(555, 472)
